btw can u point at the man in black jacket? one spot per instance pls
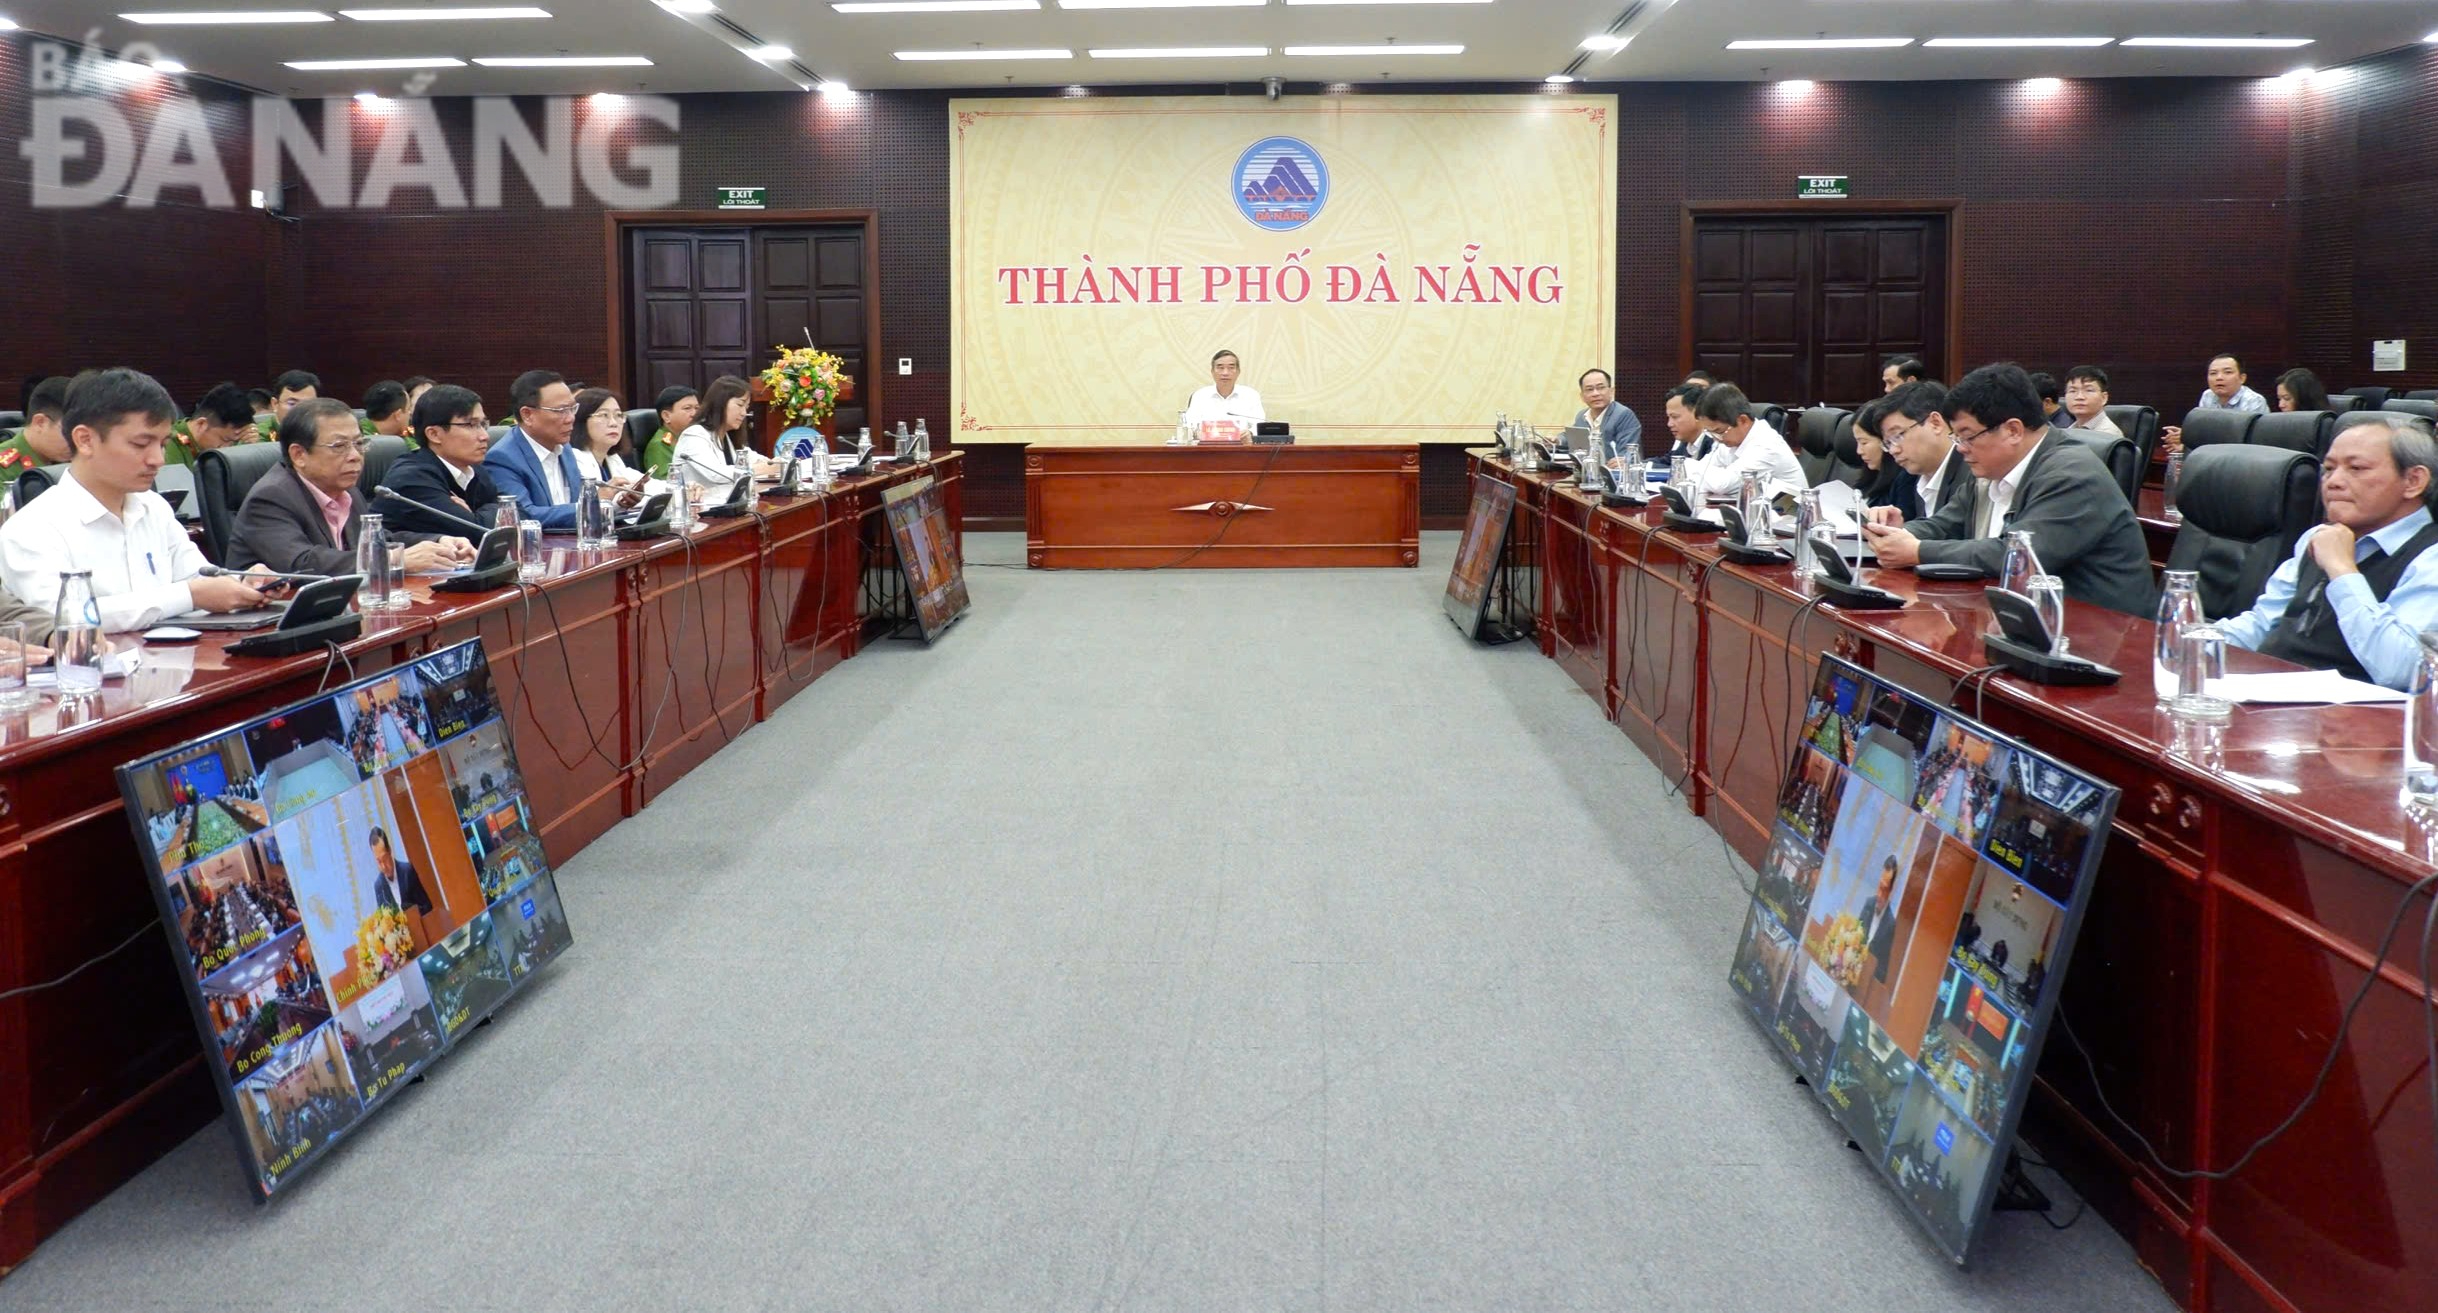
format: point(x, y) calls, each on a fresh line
point(305, 516)
point(445, 474)
point(1914, 431)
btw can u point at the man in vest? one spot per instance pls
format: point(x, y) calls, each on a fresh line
point(2359, 589)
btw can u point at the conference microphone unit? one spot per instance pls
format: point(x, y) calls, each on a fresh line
point(1835, 581)
point(224, 572)
point(739, 492)
point(385, 493)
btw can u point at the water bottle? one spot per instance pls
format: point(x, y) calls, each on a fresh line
point(372, 562)
point(2179, 609)
point(922, 441)
point(504, 513)
point(863, 445)
point(2420, 789)
point(2021, 563)
point(681, 507)
point(898, 445)
point(2167, 486)
point(76, 635)
point(592, 517)
point(1807, 514)
point(1748, 504)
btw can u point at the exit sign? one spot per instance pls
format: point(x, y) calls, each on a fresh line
point(1821, 186)
point(743, 198)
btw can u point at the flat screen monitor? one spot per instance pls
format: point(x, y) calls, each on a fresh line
point(349, 885)
point(1478, 553)
point(928, 552)
point(1924, 882)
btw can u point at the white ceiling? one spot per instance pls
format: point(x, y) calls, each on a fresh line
point(1504, 40)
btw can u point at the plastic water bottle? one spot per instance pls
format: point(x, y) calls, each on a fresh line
point(863, 445)
point(922, 441)
point(592, 517)
point(2021, 563)
point(504, 513)
point(76, 635)
point(1807, 514)
point(681, 508)
point(2420, 787)
point(1748, 504)
point(372, 562)
point(2179, 609)
point(900, 441)
point(2167, 487)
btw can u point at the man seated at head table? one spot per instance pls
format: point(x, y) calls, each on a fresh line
point(1684, 426)
point(1225, 399)
point(104, 519)
point(445, 476)
point(42, 442)
point(1914, 430)
point(306, 517)
point(1615, 431)
point(2359, 589)
point(1746, 445)
point(2082, 528)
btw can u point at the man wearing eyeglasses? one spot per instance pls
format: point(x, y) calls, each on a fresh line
point(2082, 527)
point(532, 462)
point(445, 476)
point(305, 516)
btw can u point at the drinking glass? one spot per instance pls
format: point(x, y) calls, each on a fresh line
point(2202, 660)
point(529, 559)
point(14, 694)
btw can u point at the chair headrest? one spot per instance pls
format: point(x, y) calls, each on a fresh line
point(2295, 430)
point(2237, 491)
point(641, 425)
point(2407, 406)
point(1817, 429)
point(2207, 425)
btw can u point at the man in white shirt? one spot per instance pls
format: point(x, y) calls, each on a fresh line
point(2226, 390)
point(2087, 400)
point(1745, 444)
point(104, 519)
point(1225, 399)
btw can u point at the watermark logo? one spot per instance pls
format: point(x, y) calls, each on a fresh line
point(90, 143)
point(1281, 184)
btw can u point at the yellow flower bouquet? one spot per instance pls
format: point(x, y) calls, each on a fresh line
point(1843, 952)
point(384, 943)
point(806, 384)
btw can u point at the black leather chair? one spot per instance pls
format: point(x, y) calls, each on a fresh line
point(1815, 440)
point(1775, 417)
point(223, 478)
point(2141, 424)
point(2407, 406)
point(2417, 394)
point(640, 426)
point(2115, 452)
point(11, 419)
point(2343, 402)
point(31, 484)
point(2205, 426)
point(2244, 507)
point(377, 460)
point(2306, 431)
point(2372, 398)
point(1847, 466)
point(499, 431)
point(2346, 421)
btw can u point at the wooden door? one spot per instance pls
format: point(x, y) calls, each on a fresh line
point(809, 285)
point(690, 308)
point(1800, 310)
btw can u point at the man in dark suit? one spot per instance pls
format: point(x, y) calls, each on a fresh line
point(2082, 528)
point(399, 887)
point(1879, 921)
point(1616, 433)
point(304, 517)
point(1913, 429)
point(445, 474)
point(532, 462)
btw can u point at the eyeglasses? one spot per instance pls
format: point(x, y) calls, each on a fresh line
point(1963, 439)
point(356, 445)
point(568, 409)
point(477, 423)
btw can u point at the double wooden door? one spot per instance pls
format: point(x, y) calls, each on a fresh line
point(1800, 310)
point(702, 302)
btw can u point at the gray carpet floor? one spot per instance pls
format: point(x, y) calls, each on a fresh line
point(1194, 940)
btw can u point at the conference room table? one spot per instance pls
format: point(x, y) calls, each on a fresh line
point(1221, 506)
point(2238, 907)
point(620, 671)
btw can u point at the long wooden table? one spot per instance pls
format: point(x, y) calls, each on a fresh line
point(622, 671)
point(2238, 907)
point(1233, 506)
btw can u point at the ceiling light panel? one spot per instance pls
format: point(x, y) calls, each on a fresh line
point(918, 56)
point(1328, 52)
point(349, 65)
point(1822, 43)
point(228, 17)
point(461, 15)
point(563, 61)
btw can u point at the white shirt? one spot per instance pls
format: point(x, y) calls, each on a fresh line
point(587, 465)
point(700, 459)
point(461, 476)
point(1763, 452)
point(1242, 405)
point(140, 563)
point(1929, 486)
point(2002, 488)
point(552, 475)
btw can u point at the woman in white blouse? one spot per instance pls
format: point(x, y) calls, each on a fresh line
point(600, 446)
point(713, 452)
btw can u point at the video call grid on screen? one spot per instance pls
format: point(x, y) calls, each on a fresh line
point(1477, 553)
point(1920, 896)
point(349, 884)
point(927, 553)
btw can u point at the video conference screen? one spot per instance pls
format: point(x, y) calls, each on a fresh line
point(1923, 886)
point(927, 551)
point(349, 885)
point(1477, 554)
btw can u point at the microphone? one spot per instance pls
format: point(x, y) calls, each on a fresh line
point(388, 494)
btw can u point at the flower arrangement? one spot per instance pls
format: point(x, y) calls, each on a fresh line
point(384, 943)
point(1843, 952)
point(806, 384)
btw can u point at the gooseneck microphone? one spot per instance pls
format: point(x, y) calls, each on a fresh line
point(387, 494)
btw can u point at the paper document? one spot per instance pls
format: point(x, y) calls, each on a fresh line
point(2293, 686)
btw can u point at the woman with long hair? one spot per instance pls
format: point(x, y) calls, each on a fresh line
point(714, 451)
point(2300, 389)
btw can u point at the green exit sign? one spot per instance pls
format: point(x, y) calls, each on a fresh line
point(743, 198)
point(1821, 186)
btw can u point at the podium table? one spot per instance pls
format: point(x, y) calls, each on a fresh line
point(1088, 508)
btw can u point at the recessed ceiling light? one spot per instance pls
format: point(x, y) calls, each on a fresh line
point(1388, 2)
point(770, 54)
point(1795, 86)
point(1161, 4)
point(168, 66)
point(1558, 79)
point(2018, 42)
point(919, 55)
point(931, 6)
point(687, 6)
point(345, 65)
point(1824, 43)
point(8, 25)
point(562, 61)
point(1183, 52)
point(229, 17)
point(2220, 42)
point(2044, 86)
point(1606, 41)
point(442, 15)
point(2431, 39)
point(2331, 77)
point(1326, 52)
point(367, 97)
point(836, 90)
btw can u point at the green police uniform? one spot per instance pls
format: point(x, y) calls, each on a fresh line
point(16, 457)
point(659, 454)
point(180, 449)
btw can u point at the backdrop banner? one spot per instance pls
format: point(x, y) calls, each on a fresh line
point(1389, 268)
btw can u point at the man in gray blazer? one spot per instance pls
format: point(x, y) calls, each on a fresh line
point(2082, 528)
point(1616, 432)
point(304, 517)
